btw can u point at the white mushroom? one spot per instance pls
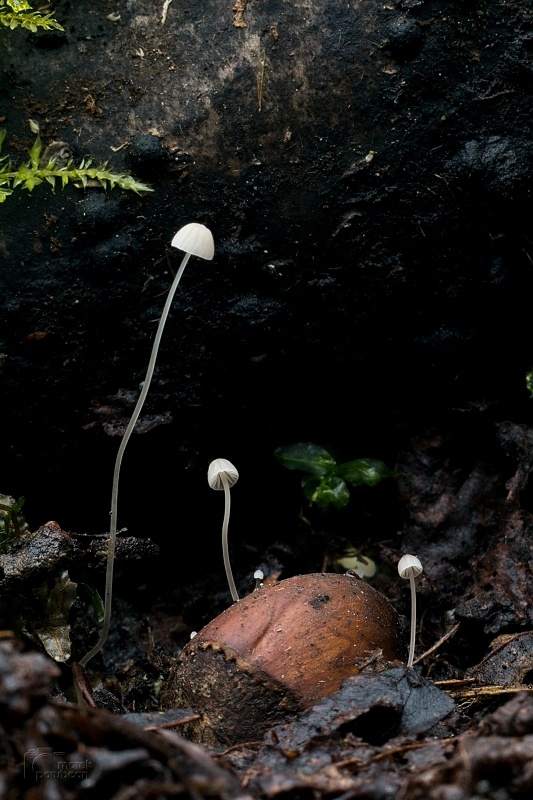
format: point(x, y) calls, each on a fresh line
point(258, 578)
point(408, 568)
point(222, 475)
point(195, 240)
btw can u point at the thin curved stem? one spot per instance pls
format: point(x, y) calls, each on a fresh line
point(116, 474)
point(413, 623)
point(225, 549)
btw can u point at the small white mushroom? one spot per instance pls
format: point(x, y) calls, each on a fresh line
point(222, 475)
point(408, 568)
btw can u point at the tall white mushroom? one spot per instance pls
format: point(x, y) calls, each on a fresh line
point(409, 567)
point(223, 475)
point(195, 240)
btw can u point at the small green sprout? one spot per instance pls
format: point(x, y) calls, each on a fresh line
point(327, 482)
point(37, 170)
point(529, 381)
point(20, 14)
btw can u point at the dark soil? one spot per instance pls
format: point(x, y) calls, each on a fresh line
point(365, 169)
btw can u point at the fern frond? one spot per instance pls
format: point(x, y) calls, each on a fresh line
point(33, 172)
point(16, 5)
point(35, 152)
point(21, 15)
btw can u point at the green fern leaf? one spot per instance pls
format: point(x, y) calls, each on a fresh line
point(35, 152)
point(22, 15)
point(16, 5)
point(32, 173)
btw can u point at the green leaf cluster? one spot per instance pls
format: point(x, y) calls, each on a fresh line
point(35, 171)
point(327, 482)
point(19, 13)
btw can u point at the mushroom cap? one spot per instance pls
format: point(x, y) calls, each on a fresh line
point(409, 566)
point(219, 467)
point(196, 239)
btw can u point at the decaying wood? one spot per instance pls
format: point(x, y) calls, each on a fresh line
point(238, 18)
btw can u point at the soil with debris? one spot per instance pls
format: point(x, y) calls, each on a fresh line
point(365, 169)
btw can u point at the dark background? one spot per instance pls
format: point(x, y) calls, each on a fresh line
point(373, 265)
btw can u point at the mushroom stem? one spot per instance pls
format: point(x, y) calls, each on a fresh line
point(412, 636)
point(118, 462)
point(225, 549)
point(194, 239)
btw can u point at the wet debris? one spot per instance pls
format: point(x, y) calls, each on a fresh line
point(325, 749)
point(382, 735)
point(461, 487)
point(492, 760)
point(91, 551)
point(50, 749)
point(451, 489)
point(12, 522)
point(517, 441)
point(486, 761)
point(371, 707)
point(35, 556)
point(509, 662)
point(501, 597)
point(25, 678)
point(37, 592)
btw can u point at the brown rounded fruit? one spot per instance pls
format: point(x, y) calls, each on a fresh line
point(279, 650)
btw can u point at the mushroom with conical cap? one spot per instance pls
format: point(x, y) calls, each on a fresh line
point(222, 475)
point(195, 240)
point(409, 567)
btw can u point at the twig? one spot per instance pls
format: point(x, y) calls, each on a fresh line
point(487, 691)
point(175, 723)
point(261, 79)
point(436, 646)
point(164, 11)
point(392, 751)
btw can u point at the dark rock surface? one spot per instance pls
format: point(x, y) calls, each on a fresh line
point(365, 169)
